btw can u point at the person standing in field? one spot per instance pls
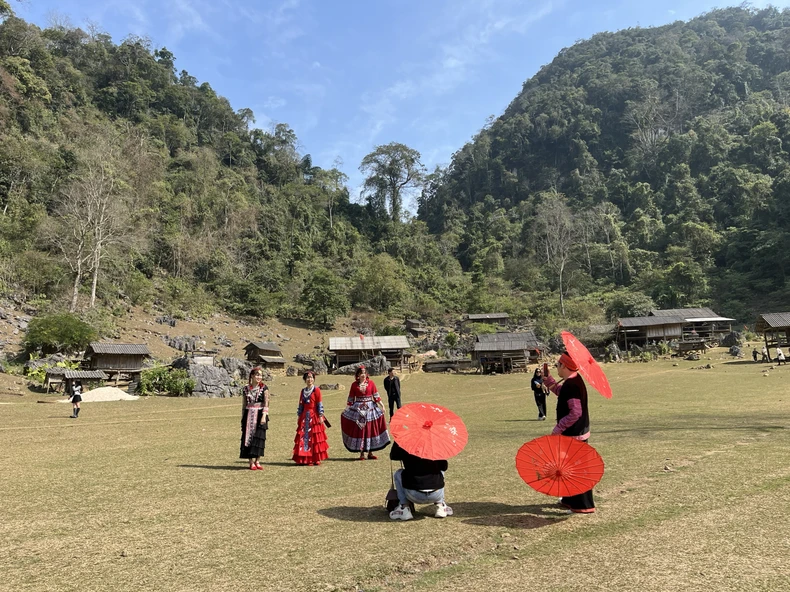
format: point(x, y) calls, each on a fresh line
point(765, 357)
point(392, 386)
point(573, 420)
point(254, 419)
point(754, 354)
point(362, 423)
point(76, 399)
point(539, 392)
point(780, 357)
point(310, 445)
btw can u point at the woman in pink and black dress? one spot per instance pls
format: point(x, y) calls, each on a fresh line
point(254, 419)
point(573, 420)
point(310, 445)
point(362, 423)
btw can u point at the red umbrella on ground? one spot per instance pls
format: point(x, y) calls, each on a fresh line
point(588, 367)
point(559, 465)
point(428, 431)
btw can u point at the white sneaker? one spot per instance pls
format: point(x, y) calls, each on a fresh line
point(401, 513)
point(441, 510)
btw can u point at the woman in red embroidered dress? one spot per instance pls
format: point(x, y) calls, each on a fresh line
point(310, 445)
point(362, 422)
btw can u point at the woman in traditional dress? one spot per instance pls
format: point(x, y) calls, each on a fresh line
point(362, 422)
point(254, 419)
point(573, 420)
point(310, 445)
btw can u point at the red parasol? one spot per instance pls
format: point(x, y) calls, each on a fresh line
point(428, 431)
point(588, 367)
point(559, 465)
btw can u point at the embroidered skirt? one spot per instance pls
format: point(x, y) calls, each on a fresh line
point(364, 427)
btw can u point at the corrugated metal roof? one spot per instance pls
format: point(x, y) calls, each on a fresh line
point(119, 348)
point(272, 359)
point(650, 321)
point(491, 346)
point(266, 345)
point(488, 316)
point(775, 320)
point(526, 337)
point(690, 314)
point(368, 343)
point(56, 371)
point(85, 374)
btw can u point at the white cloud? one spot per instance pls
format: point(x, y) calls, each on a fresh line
point(274, 102)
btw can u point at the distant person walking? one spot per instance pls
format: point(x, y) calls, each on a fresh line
point(392, 386)
point(539, 392)
point(254, 419)
point(310, 446)
point(362, 423)
point(765, 355)
point(754, 354)
point(780, 357)
point(76, 399)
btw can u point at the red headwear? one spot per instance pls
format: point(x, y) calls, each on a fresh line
point(568, 362)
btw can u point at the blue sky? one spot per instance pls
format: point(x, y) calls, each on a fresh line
point(348, 75)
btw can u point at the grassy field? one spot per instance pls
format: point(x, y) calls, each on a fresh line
point(150, 495)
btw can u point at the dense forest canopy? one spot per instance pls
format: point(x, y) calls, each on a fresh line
point(647, 167)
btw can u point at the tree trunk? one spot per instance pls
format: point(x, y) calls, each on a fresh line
point(75, 289)
point(96, 261)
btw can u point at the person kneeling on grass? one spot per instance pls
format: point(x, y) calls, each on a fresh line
point(420, 481)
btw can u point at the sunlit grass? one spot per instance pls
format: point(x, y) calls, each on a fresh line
point(150, 495)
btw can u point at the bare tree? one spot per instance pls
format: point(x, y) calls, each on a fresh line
point(557, 235)
point(91, 211)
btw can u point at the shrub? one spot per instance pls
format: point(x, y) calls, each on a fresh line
point(451, 339)
point(39, 374)
point(162, 380)
point(59, 332)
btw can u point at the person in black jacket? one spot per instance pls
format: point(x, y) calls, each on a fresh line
point(539, 392)
point(392, 386)
point(420, 481)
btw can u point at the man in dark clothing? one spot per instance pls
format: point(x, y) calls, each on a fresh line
point(420, 481)
point(392, 386)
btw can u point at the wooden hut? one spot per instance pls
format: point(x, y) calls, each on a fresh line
point(699, 323)
point(415, 327)
point(254, 349)
point(775, 329)
point(643, 330)
point(350, 350)
point(116, 358)
point(84, 376)
point(506, 352)
point(498, 318)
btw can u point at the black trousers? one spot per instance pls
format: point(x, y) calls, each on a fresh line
point(394, 401)
point(540, 401)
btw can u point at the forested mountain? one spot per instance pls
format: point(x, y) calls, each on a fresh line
point(648, 166)
point(652, 159)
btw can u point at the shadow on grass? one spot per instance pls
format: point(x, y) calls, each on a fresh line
point(746, 363)
point(243, 467)
point(475, 513)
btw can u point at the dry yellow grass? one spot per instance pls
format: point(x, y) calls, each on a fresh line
point(149, 495)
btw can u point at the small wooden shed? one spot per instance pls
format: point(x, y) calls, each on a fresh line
point(350, 350)
point(643, 330)
point(116, 358)
point(499, 318)
point(255, 349)
point(84, 376)
point(775, 329)
point(506, 352)
point(415, 327)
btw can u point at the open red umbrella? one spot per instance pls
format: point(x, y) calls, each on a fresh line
point(428, 431)
point(588, 367)
point(559, 465)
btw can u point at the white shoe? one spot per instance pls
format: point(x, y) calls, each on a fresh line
point(441, 510)
point(401, 513)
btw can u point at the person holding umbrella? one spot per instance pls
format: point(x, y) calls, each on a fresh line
point(573, 419)
point(425, 435)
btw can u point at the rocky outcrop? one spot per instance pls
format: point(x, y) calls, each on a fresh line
point(375, 366)
point(211, 382)
point(52, 360)
point(317, 364)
